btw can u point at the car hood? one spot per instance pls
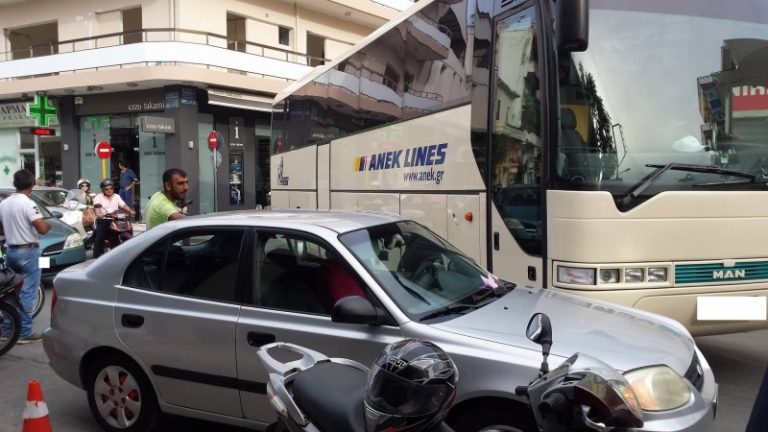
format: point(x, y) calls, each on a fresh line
point(58, 232)
point(622, 337)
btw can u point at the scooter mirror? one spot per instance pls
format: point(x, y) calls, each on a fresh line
point(539, 331)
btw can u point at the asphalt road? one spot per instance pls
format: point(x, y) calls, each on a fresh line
point(739, 362)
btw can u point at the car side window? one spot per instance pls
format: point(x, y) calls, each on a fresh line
point(199, 263)
point(299, 274)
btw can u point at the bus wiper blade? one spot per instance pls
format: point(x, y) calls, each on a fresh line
point(449, 310)
point(645, 183)
point(730, 182)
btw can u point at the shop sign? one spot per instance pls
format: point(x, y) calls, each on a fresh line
point(158, 124)
point(14, 114)
point(131, 101)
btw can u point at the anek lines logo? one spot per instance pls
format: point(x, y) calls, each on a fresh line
point(426, 156)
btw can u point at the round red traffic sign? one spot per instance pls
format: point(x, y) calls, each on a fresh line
point(213, 140)
point(103, 150)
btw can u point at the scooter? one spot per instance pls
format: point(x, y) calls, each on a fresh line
point(79, 215)
point(120, 228)
point(10, 284)
point(582, 394)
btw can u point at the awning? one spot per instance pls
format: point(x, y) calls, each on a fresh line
point(239, 100)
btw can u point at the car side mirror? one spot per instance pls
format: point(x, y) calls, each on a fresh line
point(57, 214)
point(539, 331)
point(357, 310)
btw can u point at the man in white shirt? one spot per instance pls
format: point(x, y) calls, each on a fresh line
point(22, 224)
point(106, 202)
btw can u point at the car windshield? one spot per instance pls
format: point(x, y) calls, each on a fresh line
point(40, 204)
point(421, 272)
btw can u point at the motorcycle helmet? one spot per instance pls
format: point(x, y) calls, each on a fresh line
point(83, 181)
point(106, 182)
point(410, 387)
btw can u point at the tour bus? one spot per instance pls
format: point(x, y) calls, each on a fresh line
point(615, 149)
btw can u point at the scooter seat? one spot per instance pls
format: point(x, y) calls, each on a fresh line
point(331, 394)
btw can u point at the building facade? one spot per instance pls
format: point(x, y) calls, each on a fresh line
point(154, 78)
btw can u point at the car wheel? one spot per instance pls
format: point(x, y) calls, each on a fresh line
point(120, 396)
point(484, 420)
point(9, 317)
point(40, 302)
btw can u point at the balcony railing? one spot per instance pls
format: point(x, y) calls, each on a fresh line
point(186, 36)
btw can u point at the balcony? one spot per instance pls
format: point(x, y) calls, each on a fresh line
point(151, 57)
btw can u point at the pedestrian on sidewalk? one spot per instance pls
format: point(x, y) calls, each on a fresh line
point(128, 181)
point(22, 224)
point(162, 205)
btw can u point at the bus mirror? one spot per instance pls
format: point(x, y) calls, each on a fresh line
point(572, 25)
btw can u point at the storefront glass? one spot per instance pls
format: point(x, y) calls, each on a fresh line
point(205, 158)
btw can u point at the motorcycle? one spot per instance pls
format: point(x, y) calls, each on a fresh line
point(582, 394)
point(79, 215)
point(120, 227)
point(40, 299)
point(10, 320)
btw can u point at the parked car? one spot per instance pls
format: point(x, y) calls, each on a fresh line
point(62, 244)
point(170, 321)
point(52, 196)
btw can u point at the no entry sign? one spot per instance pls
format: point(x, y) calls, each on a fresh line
point(213, 140)
point(103, 150)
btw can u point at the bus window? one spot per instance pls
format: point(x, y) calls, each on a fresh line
point(516, 138)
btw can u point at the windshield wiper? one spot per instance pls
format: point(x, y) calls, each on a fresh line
point(639, 187)
point(449, 310)
point(485, 292)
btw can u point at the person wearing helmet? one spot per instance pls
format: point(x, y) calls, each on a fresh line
point(410, 387)
point(84, 185)
point(108, 202)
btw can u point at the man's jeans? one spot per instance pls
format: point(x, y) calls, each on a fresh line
point(26, 262)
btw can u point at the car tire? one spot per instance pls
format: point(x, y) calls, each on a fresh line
point(9, 313)
point(120, 395)
point(40, 302)
point(485, 420)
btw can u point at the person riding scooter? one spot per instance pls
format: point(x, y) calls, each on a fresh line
point(105, 203)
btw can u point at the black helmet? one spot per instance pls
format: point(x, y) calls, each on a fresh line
point(83, 181)
point(106, 182)
point(410, 387)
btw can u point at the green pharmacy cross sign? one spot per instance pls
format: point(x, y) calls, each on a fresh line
point(43, 110)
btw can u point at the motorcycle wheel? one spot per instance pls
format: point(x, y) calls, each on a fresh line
point(9, 316)
point(40, 302)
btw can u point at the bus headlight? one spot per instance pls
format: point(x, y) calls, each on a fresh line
point(634, 275)
point(658, 388)
point(576, 275)
point(608, 276)
point(657, 274)
point(73, 240)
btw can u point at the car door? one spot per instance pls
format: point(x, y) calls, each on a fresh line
point(296, 280)
point(177, 311)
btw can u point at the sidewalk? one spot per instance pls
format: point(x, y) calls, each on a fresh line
point(138, 228)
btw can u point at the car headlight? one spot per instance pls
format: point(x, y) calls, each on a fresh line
point(576, 275)
point(73, 240)
point(658, 388)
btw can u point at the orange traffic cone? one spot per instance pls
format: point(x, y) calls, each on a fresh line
point(36, 411)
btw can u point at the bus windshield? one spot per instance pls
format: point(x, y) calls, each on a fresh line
point(668, 96)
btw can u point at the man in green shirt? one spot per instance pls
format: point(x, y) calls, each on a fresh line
point(162, 205)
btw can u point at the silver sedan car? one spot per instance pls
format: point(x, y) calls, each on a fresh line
point(170, 321)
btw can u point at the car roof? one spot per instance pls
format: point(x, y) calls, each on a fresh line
point(338, 221)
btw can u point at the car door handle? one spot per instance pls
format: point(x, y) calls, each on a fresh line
point(131, 320)
point(257, 339)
